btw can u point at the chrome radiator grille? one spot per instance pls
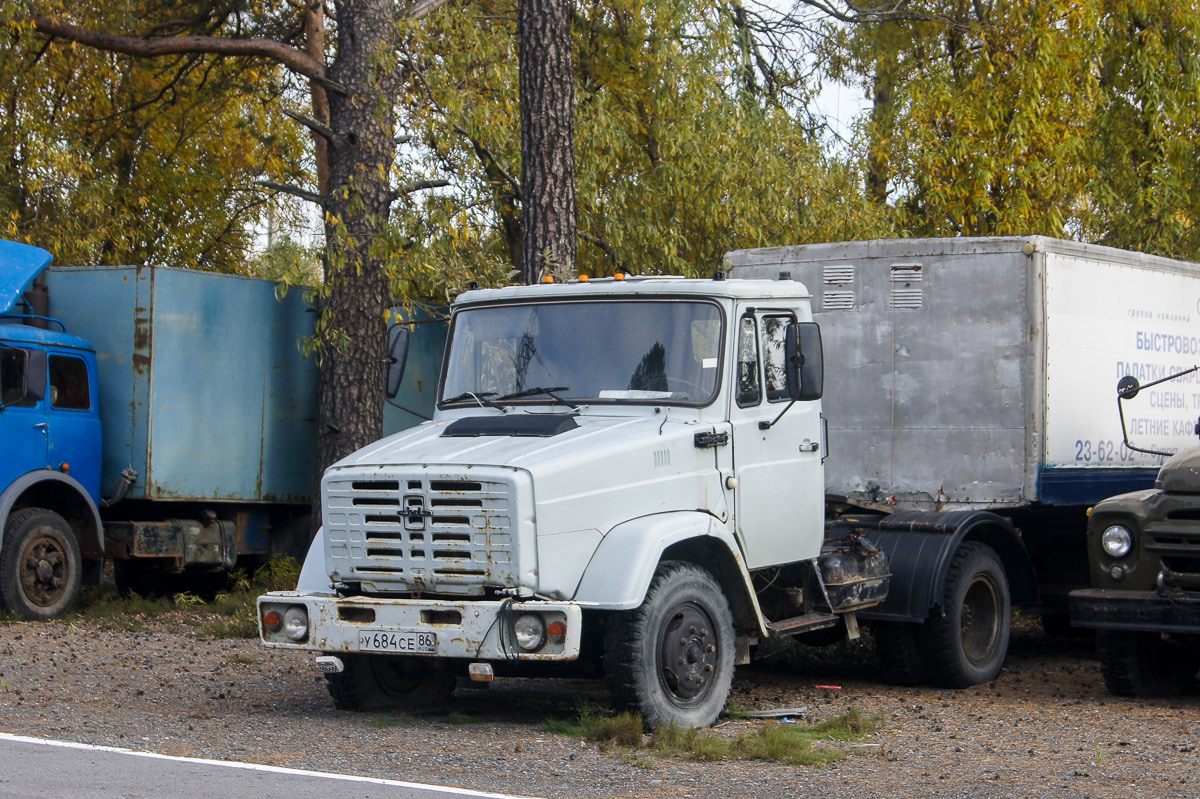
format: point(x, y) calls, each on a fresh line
point(421, 532)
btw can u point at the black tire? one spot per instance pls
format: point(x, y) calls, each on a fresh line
point(966, 641)
point(899, 652)
point(391, 682)
point(40, 566)
point(672, 658)
point(1143, 664)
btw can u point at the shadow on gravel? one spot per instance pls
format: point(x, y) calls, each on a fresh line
point(784, 673)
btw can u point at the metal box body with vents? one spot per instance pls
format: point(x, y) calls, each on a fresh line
point(981, 372)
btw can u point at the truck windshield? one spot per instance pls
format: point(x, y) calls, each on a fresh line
point(612, 351)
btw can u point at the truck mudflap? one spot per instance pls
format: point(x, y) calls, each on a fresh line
point(1142, 611)
point(505, 629)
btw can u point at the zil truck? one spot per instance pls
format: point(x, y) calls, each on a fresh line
point(164, 418)
point(645, 477)
point(1144, 546)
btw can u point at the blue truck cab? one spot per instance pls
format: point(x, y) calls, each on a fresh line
point(50, 450)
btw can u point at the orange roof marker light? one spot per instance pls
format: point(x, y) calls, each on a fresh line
point(584, 278)
point(619, 276)
point(548, 279)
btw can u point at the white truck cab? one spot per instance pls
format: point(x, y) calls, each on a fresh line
point(622, 475)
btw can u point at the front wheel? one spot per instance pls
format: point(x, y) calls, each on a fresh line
point(672, 658)
point(391, 682)
point(40, 566)
point(967, 641)
point(1143, 664)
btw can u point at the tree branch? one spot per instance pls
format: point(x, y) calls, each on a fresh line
point(418, 185)
point(291, 58)
point(423, 8)
point(316, 127)
point(606, 247)
point(311, 197)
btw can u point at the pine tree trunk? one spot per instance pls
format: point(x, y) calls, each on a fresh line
point(547, 86)
point(361, 156)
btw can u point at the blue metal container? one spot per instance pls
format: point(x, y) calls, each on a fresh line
point(203, 386)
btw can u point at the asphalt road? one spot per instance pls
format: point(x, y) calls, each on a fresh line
point(52, 769)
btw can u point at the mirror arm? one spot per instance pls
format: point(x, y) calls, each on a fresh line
point(775, 421)
point(1128, 388)
point(417, 414)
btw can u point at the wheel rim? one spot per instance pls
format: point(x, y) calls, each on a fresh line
point(44, 565)
point(980, 622)
point(687, 654)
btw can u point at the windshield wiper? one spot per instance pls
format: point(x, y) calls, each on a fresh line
point(479, 396)
point(548, 391)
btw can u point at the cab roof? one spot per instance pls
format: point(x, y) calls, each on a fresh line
point(638, 286)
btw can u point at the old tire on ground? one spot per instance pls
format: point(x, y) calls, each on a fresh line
point(40, 565)
point(899, 652)
point(672, 659)
point(391, 682)
point(966, 641)
point(1143, 664)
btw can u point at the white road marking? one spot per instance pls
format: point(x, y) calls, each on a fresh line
point(257, 767)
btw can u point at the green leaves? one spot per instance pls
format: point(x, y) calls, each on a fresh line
point(677, 160)
point(1065, 119)
point(110, 159)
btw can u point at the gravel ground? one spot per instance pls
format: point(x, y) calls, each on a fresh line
point(1045, 727)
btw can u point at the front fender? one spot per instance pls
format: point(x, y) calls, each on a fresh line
point(65, 496)
point(314, 574)
point(620, 570)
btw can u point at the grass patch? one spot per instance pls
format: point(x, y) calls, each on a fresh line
point(793, 744)
point(691, 743)
point(386, 722)
point(625, 729)
point(458, 717)
point(230, 613)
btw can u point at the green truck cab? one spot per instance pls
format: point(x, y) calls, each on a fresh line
point(1144, 603)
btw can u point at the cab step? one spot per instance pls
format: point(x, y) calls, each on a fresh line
point(801, 624)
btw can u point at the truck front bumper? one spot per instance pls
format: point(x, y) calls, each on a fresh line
point(472, 630)
point(1148, 611)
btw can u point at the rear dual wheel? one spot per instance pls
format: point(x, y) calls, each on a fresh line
point(965, 640)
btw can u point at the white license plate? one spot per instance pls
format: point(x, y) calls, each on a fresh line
point(400, 642)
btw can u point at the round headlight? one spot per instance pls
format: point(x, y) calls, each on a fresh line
point(295, 623)
point(1117, 541)
point(530, 632)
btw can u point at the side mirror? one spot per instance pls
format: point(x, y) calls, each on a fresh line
point(393, 371)
point(805, 361)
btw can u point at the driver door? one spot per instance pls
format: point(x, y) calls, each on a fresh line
point(779, 493)
point(23, 436)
